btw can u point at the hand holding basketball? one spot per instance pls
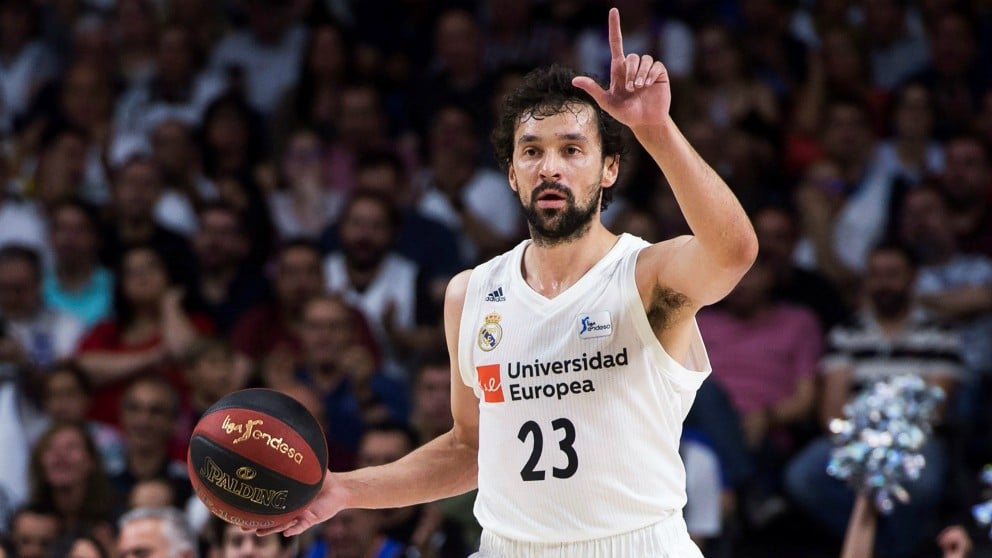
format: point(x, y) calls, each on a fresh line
point(257, 458)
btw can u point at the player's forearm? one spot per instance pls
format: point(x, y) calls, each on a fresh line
point(711, 210)
point(442, 468)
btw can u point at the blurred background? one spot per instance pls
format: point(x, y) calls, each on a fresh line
point(200, 196)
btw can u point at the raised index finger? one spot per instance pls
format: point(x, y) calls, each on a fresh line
point(616, 39)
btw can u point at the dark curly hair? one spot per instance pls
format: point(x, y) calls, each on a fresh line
point(545, 92)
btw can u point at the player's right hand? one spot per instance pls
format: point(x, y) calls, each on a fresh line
point(328, 502)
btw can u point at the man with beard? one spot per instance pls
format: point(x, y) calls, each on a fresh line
point(226, 285)
point(575, 356)
point(390, 290)
point(891, 336)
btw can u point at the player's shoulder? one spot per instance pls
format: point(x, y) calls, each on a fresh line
point(457, 286)
point(652, 255)
point(454, 294)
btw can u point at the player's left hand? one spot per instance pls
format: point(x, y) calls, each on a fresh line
point(640, 94)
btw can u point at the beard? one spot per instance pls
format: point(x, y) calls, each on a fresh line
point(889, 303)
point(550, 227)
point(363, 256)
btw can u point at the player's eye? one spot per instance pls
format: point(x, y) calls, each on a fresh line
point(572, 150)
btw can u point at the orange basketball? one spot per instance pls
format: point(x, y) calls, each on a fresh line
point(257, 457)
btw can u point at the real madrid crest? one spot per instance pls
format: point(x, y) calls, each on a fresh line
point(491, 333)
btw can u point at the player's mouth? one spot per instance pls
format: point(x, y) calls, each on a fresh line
point(551, 199)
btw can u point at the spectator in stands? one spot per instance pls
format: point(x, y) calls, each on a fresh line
point(79, 546)
point(778, 234)
point(230, 541)
point(43, 334)
point(354, 533)
point(967, 186)
point(840, 69)
point(21, 221)
point(337, 366)
point(457, 191)
point(155, 532)
point(272, 326)
point(59, 172)
point(764, 353)
point(890, 337)
point(67, 480)
point(202, 19)
point(227, 284)
point(515, 37)
point(86, 101)
point(424, 527)
point(153, 492)
point(135, 34)
point(33, 532)
point(132, 221)
point(667, 38)
point(956, 288)
point(149, 415)
point(233, 139)
point(25, 61)
point(911, 153)
point(956, 76)
point(77, 283)
point(776, 54)
point(457, 75)
point(151, 328)
point(66, 397)
point(426, 241)
point(326, 66)
point(726, 92)
point(390, 290)
point(175, 150)
point(431, 412)
point(265, 55)
point(305, 203)
point(897, 42)
point(211, 372)
point(430, 415)
point(361, 124)
point(704, 490)
point(174, 85)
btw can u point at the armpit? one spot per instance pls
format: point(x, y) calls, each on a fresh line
point(664, 307)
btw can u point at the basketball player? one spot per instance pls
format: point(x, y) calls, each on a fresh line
point(575, 356)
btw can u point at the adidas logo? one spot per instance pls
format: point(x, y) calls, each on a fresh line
point(496, 296)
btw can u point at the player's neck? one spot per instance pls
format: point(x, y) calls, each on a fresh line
point(551, 269)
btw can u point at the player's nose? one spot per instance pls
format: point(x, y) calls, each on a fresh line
point(550, 169)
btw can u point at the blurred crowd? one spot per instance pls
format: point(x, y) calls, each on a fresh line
point(200, 196)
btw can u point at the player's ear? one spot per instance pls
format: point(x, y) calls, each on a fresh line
point(512, 176)
point(611, 169)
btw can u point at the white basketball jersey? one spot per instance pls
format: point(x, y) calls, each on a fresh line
point(580, 407)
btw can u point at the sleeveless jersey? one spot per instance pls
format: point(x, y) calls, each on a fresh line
point(580, 407)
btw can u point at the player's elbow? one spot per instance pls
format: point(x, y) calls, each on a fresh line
point(736, 254)
point(746, 251)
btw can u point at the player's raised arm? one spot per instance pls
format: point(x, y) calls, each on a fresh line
point(707, 265)
point(444, 467)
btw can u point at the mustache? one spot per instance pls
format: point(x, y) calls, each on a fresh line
point(556, 187)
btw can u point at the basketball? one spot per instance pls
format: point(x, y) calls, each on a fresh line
point(256, 458)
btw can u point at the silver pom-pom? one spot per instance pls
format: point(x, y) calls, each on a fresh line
point(983, 512)
point(877, 446)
